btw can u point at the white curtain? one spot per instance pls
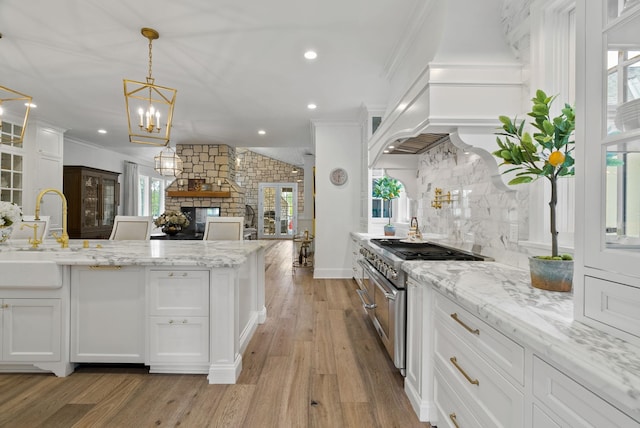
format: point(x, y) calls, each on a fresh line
point(130, 191)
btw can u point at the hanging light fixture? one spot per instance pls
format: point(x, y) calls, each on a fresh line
point(168, 163)
point(14, 107)
point(149, 106)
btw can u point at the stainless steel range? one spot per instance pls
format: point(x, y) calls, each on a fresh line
point(383, 286)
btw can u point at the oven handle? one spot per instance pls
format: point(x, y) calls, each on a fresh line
point(387, 288)
point(365, 305)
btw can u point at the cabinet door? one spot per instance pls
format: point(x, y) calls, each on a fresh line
point(107, 314)
point(90, 201)
point(108, 205)
point(32, 329)
point(179, 339)
point(179, 292)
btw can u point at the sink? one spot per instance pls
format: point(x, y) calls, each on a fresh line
point(29, 270)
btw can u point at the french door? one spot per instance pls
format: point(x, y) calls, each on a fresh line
point(277, 210)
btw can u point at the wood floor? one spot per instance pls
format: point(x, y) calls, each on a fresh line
point(315, 362)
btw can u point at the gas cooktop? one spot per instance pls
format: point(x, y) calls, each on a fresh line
point(424, 251)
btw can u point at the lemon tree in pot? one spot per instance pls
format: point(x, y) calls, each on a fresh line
point(387, 189)
point(547, 153)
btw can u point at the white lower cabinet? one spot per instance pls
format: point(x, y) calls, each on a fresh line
point(566, 403)
point(107, 314)
point(491, 398)
point(178, 302)
point(30, 330)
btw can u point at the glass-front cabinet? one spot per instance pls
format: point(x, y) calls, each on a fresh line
point(607, 290)
point(92, 195)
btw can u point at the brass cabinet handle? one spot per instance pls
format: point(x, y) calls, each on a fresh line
point(105, 267)
point(5, 306)
point(469, 329)
point(454, 361)
point(452, 416)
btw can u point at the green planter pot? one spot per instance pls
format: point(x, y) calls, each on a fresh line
point(552, 275)
point(389, 230)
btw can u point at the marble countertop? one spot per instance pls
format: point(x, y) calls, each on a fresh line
point(502, 296)
point(213, 254)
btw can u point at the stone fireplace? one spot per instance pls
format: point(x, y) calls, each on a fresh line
point(216, 165)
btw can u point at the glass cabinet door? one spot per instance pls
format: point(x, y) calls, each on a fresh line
point(108, 201)
point(90, 199)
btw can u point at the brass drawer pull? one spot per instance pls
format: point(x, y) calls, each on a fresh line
point(454, 361)
point(469, 329)
point(105, 267)
point(452, 416)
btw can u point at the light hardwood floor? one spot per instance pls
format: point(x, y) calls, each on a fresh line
point(315, 362)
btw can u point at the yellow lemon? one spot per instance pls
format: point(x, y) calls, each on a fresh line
point(556, 158)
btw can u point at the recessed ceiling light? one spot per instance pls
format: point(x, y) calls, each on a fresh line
point(310, 55)
point(102, 131)
point(311, 106)
point(262, 132)
point(32, 105)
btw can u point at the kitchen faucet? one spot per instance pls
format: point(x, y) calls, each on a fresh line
point(64, 238)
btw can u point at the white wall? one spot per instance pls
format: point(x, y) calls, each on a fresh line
point(338, 145)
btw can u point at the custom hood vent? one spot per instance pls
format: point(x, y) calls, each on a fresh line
point(418, 144)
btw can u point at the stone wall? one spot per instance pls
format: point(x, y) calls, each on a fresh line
point(253, 168)
point(212, 163)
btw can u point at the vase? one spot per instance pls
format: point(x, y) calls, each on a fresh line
point(171, 230)
point(5, 233)
point(389, 230)
point(551, 275)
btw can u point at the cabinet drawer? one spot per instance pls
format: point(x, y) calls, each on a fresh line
point(451, 411)
point(613, 304)
point(179, 339)
point(179, 292)
point(573, 403)
point(505, 354)
point(493, 400)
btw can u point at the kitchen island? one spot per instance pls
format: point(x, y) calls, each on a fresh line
point(176, 306)
point(487, 349)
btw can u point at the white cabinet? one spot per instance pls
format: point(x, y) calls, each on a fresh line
point(107, 314)
point(178, 302)
point(480, 365)
point(608, 169)
point(562, 402)
point(30, 330)
point(418, 384)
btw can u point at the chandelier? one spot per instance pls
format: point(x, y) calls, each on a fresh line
point(149, 106)
point(168, 163)
point(14, 107)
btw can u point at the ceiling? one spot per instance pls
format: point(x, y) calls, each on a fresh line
point(238, 66)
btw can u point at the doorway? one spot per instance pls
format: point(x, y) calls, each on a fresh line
point(277, 210)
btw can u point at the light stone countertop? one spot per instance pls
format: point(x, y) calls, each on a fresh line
point(542, 320)
point(212, 254)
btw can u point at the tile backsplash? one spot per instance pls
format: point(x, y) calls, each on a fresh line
point(480, 217)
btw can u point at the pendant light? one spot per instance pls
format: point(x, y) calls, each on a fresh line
point(149, 106)
point(168, 163)
point(14, 108)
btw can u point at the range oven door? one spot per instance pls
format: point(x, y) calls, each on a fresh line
point(386, 306)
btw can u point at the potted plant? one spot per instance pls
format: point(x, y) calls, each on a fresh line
point(547, 153)
point(387, 189)
point(171, 222)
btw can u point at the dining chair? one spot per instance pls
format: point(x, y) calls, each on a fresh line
point(21, 231)
point(224, 228)
point(128, 227)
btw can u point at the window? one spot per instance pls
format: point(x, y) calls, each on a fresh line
point(11, 164)
point(151, 195)
point(397, 209)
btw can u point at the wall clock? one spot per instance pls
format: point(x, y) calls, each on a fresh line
point(338, 176)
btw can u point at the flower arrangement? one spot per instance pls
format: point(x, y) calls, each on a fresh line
point(9, 213)
point(171, 219)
